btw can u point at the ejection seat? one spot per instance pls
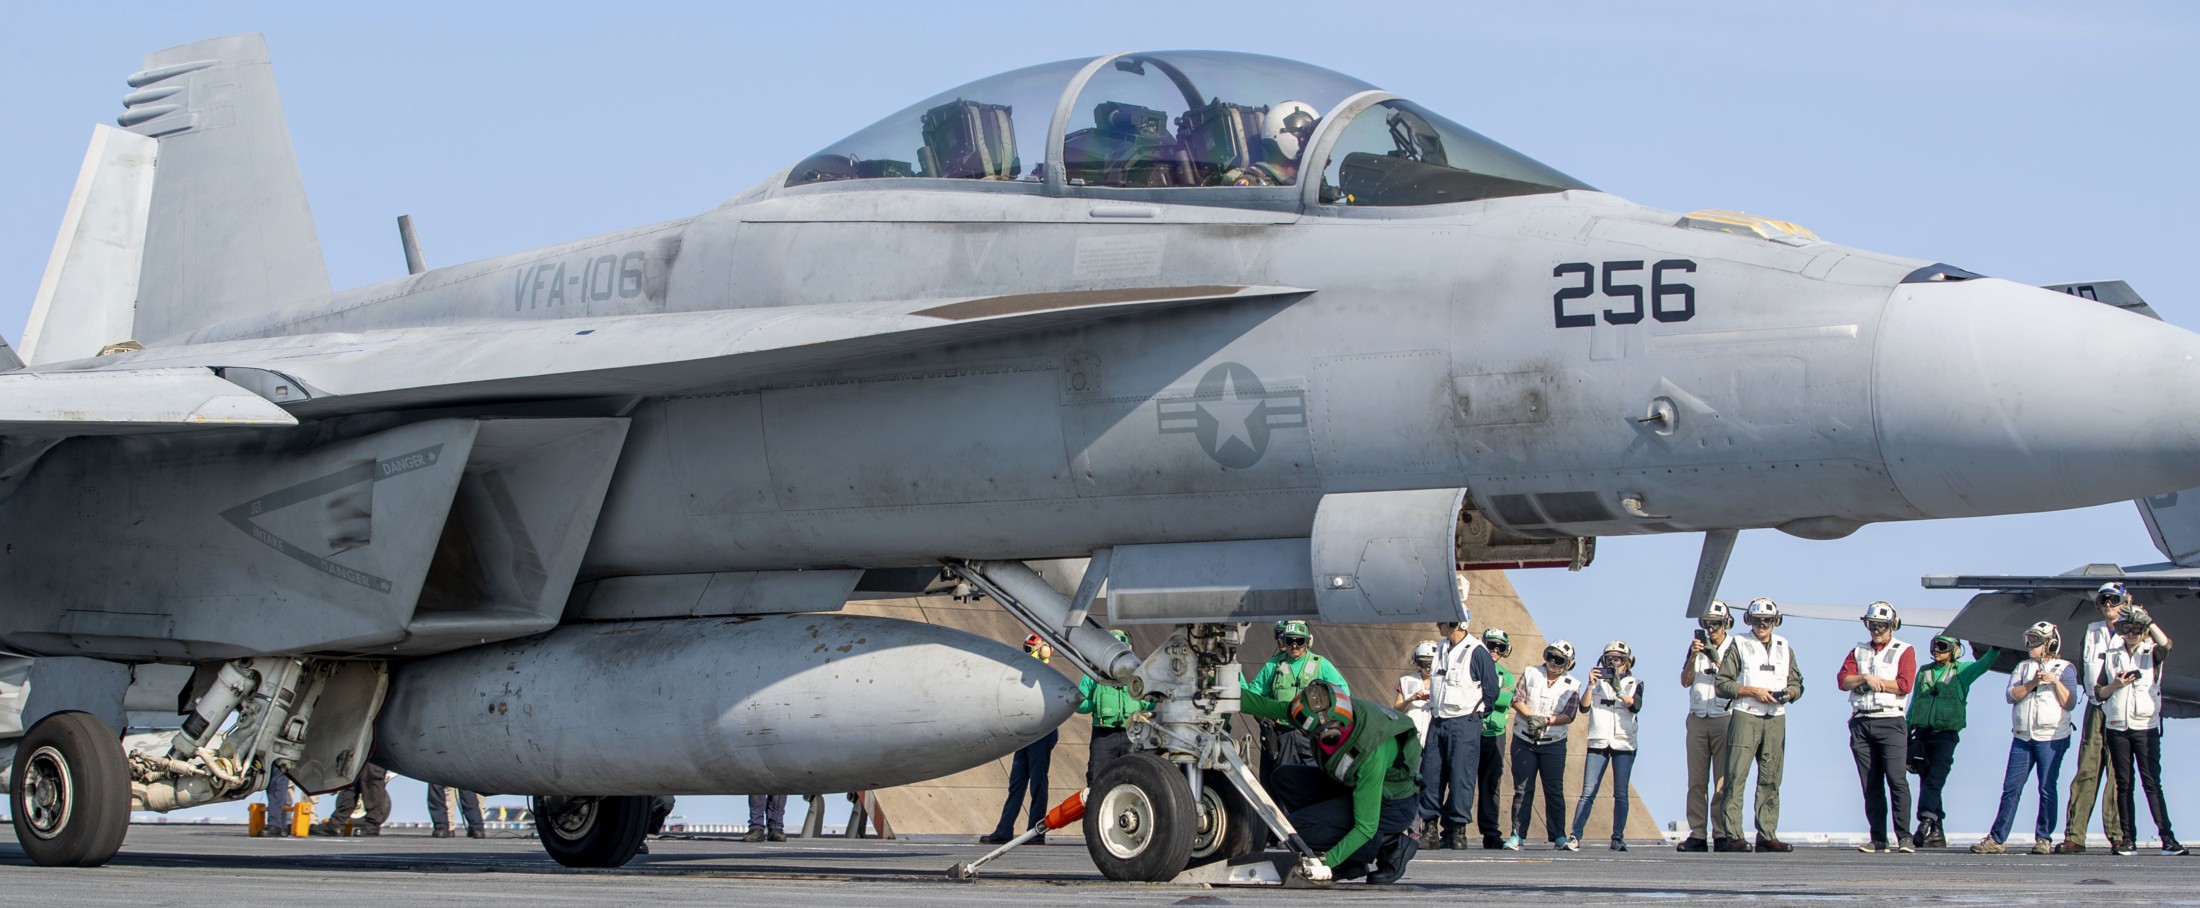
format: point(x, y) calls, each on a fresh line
point(969, 140)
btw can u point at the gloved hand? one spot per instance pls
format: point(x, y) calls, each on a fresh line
point(1312, 870)
point(1536, 725)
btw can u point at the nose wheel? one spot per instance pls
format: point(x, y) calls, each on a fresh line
point(1141, 822)
point(70, 791)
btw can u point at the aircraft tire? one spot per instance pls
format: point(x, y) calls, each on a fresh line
point(1140, 823)
point(592, 832)
point(1225, 824)
point(70, 791)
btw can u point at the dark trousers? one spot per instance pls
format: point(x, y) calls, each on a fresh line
point(1028, 770)
point(1938, 751)
point(1881, 746)
point(2042, 758)
point(373, 788)
point(2143, 748)
point(1282, 745)
point(1108, 745)
point(1489, 776)
point(1548, 761)
point(278, 795)
point(1321, 809)
point(1622, 763)
point(1449, 761)
point(769, 812)
point(439, 807)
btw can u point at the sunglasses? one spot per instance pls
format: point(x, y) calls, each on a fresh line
point(1295, 641)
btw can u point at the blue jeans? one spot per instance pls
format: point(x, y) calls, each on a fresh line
point(2043, 758)
point(1451, 760)
point(1592, 780)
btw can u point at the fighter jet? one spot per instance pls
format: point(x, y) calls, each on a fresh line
point(1257, 339)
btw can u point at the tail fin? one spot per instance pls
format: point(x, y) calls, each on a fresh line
point(91, 284)
point(2174, 522)
point(228, 233)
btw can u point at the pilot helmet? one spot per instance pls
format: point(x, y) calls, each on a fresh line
point(1290, 124)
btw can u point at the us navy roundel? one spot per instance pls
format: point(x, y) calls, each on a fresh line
point(1231, 414)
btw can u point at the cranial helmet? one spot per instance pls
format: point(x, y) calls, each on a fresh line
point(1425, 651)
point(1562, 650)
point(1294, 628)
point(1122, 635)
point(2044, 632)
point(1289, 125)
point(1496, 637)
point(1036, 645)
point(2111, 592)
point(1762, 608)
point(1716, 615)
point(1882, 611)
point(1323, 715)
point(1619, 648)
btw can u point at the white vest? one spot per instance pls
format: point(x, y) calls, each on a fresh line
point(1887, 664)
point(1703, 696)
point(2039, 715)
point(1541, 696)
point(2098, 641)
point(2138, 706)
point(1766, 667)
point(1417, 710)
point(1456, 692)
point(1611, 723)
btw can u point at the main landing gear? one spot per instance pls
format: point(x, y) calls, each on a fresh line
point(592, 831)
point(70, 791)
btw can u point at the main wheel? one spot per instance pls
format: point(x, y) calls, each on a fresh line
point(1225, 824)
point(591, 832)
point(1141, 821)
point(70, 791)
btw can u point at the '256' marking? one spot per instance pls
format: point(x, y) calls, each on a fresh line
point(1667, 300)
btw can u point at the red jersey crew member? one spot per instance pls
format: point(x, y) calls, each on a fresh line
point(1878, 675)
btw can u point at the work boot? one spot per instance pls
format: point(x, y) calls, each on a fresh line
point(995, 838)
point(1492, 843)
point(367, 829)
point(276, 829)
point(780, 835)
point(1456, 840)
point(2069, 847)
point(1390, 865)
point(2042, 846)
point(1692, 845)
point(1349, 870)
point(442, 833)
point(757, 835)
point(1774, 846)
point(476, 832)
point(1988, 846)
point(1618, 844)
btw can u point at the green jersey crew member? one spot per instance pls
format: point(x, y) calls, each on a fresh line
point(1761, 676)
point(1111, 708)
point(1357, 803)
point(1938, 707)
point(1489, 774)
point(1294, 666)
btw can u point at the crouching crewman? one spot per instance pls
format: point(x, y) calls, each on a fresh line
point(1356, 803)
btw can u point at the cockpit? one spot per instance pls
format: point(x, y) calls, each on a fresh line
point(1185, 120)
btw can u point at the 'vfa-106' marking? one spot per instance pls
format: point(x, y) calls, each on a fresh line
point(588, 280)
point(1669, 300)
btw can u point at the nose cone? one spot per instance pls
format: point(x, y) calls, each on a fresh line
point(1998, 398)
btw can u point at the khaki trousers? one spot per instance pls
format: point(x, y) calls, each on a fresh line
point(1706, 774)
point(1762, 740)
point(2093, 777)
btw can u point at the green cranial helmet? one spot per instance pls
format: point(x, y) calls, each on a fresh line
point(1321, 713)
point(1122, 635)
point(1293, 628)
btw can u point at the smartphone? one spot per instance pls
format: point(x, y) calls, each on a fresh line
point(1702, 637)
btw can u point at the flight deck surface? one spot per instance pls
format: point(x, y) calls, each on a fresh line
point(220, 865)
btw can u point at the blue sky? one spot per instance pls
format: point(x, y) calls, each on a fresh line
point(2034, 141)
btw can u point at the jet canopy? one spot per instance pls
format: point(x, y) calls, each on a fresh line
point(1184, 120)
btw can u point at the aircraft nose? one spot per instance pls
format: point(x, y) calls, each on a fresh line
point(1997, 398)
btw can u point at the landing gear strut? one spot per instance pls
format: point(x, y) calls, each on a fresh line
point(70, 791)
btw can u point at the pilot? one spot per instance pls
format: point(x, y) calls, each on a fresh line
point(1547, 700)
point(1284, 132)
point(1708, 716)
point(1356, 804)
point(1111, 708)
point(1938, 709)
point(1290, 670)
point(1614, 698)
point(2042, 690)
point(1463, 690)
point(2129, 689)
point(1878, 675)
point(1761, 676)
point(1028, 769)
point(2091, 765)
point(1489, 770)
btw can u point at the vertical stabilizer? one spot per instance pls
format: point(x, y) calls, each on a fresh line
point(2174, 521)
point(229, 233)
point(90, 290)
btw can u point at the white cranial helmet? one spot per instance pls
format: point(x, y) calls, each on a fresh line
point(1716, 615)
point(1290, 124)
point(1762, 608)
point(1427, 650)
point(2044, 632)
point(1882, 611)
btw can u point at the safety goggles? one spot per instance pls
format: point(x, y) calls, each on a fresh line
point(1293, 642)
point(1879, 627)
point(1943, 646)
point(1554, 659)
point(1326, 718)
point(1763, 621)
point(2130, 628)
point(1425, 662)
point(1501, 649)
point(2030, 640)
point(1711, 623)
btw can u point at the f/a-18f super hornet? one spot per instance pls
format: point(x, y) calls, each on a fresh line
point(1256, 339)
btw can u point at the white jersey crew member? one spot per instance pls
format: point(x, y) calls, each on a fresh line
point(1708, 716)
point(1878, 675)
point(2043, 689)
point(1762, 676)
point(1462, 690)
point(2130, 690)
